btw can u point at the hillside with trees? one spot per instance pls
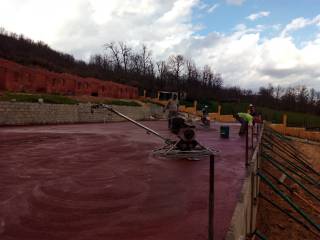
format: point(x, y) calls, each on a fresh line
point(122, 63)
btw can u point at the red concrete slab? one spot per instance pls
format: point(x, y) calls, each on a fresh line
point(100, 181)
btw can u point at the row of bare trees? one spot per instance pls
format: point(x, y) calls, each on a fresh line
point(298, 98)
point(137, 67)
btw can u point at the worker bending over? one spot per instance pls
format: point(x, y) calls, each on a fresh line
point(245, 119)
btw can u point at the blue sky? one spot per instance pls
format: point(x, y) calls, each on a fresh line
point(251, 43)
point(226, 16)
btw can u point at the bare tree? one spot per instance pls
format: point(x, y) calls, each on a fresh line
point(176, 63)
point(312, 96)
point(302, 97)
point(217, 81)
point(278, 92)
point(288, 99)
point(145, 58)
point(115, 53)
point(125, 55)
point(207, 76)
point(135, 63)
point(162, 72)
point(3, 31)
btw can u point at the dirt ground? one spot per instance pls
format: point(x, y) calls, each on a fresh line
point(312, 150)
point(273, 223)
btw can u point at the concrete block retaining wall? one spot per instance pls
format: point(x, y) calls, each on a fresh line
point(244, 220)
point(17, 113)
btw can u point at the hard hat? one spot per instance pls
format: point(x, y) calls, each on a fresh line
point(250, 105)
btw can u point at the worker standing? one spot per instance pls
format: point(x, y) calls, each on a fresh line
point(245, 119)
point(205, 116)
point(257, 117)
point(172, 106)
point(252, 110)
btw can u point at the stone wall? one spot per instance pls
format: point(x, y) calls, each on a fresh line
point(16, 113)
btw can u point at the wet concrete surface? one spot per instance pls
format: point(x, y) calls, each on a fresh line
point(100, 181)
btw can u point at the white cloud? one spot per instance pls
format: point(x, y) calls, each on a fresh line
point(276, 27)
point(235, 2)
point(245, 57)
point(255, 16)
point(212, 8)
point(245, 60)
point(207, 8)
point(300, 23)
point(296, 24)
point(81, 27)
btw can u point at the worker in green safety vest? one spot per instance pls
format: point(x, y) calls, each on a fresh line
point(245, 119)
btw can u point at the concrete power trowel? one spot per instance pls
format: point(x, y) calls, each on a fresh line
point(186, 146)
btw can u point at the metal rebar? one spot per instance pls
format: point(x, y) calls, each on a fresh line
point(306, 176)
point(281, 147)
point(262, 196)
point(260, 235)
point(289, 201)
point(277, 180)
point(293, 152)
point(302, 168)
point(274, 163)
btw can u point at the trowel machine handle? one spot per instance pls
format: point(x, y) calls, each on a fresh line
point(100, 105)
point(149, 130)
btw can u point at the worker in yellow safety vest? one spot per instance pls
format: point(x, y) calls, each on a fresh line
point(245, 119)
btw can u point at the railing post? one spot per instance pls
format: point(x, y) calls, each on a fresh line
point(247, 144)
point(252, 129)
point(252, 173)
point(211, 199)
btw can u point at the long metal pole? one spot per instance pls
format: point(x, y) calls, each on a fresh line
point(211, 200)
point(149, 130)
